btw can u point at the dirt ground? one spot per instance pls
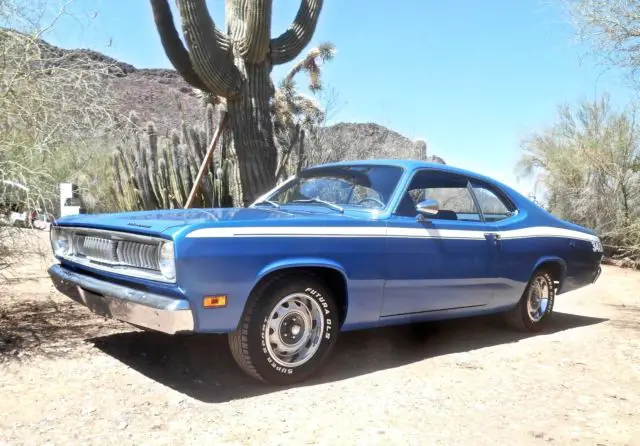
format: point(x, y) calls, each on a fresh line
point(67, 377)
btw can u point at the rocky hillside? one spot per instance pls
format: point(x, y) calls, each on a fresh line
point(347, 141)
point(154, 94)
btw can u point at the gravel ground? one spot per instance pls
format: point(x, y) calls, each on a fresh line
point(68, 377)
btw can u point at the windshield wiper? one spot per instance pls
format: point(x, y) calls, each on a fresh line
point(272, 203)
point(318, 200)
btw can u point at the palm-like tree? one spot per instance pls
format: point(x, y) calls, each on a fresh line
point(294, 113)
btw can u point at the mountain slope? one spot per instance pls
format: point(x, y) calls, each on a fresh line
point(154, 94)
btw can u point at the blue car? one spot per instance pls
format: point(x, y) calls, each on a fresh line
point(341, 246)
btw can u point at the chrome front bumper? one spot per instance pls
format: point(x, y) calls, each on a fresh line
point(125, 304)
point(597, 275)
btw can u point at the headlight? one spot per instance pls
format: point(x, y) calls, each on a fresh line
point(61, 241)
point(166, 260)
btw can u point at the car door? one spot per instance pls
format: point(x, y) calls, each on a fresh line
point(443, 262)
point(515, 256)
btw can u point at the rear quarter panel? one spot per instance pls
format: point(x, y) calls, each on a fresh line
point(539, 238)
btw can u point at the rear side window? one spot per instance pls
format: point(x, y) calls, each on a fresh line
point(494, 206)
point(449, 190)
point(454, 200)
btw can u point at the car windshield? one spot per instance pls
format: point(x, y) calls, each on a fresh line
point(361, 185)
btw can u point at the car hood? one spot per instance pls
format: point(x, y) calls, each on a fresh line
point(168, 222)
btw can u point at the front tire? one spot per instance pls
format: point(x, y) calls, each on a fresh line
point(288, 329)
point(535, 307)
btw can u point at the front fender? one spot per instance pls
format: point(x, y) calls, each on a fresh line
point(363, 298)
point(299, 262)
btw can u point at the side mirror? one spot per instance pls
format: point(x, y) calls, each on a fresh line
point(428, 207)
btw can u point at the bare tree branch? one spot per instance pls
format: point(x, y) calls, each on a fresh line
point(612, 27)
point(56, 115)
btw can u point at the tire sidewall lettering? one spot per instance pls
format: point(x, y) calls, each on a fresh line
point(552, 295)
point(325, 337)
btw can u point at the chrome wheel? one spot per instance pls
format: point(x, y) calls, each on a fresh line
point(538, 300)
point(293, 330)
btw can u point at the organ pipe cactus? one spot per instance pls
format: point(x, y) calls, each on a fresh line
point(236, 65)
point(161, 173)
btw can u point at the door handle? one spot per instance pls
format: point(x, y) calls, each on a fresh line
point(493, 236)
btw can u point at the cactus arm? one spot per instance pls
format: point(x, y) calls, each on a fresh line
point(255, 15)
point(152, 163)
point(209, 49)
point(236, 20)
point(177, 168)
point(163, 184)
point(173, 46)
point(290, 44)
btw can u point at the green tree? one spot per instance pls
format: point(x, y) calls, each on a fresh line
point(589, 164)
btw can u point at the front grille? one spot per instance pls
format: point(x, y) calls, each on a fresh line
point(117, 252)
point(97, 248)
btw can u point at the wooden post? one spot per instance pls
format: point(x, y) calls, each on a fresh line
point(204, 167)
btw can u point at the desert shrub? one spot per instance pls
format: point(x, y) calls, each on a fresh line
point(589, 164)
point(55, 113)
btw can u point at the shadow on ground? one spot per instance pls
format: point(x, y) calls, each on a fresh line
point(201, 366)
point(47, 328)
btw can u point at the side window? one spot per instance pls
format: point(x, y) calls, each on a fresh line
point(494, 208)
point(449, 190)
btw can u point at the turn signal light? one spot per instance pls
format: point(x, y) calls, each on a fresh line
point(215, 301)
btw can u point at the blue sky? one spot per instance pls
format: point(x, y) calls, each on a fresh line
point(471, 78)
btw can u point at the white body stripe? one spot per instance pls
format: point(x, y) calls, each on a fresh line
point(382, 231)
point(290, 231)
point(547, 231)
point(434, 233)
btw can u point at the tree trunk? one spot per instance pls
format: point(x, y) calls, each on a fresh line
point(252, 129)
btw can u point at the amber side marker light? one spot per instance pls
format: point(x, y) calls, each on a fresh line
point(215, 301)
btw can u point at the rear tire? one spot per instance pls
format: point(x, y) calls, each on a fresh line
point(289, 328)
point(533, 311)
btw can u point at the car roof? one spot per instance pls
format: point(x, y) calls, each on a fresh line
point(411, 165)
point(408, 165)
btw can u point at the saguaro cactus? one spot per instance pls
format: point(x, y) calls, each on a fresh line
point(236, 65)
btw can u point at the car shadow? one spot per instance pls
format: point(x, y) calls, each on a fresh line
point(202, 367)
